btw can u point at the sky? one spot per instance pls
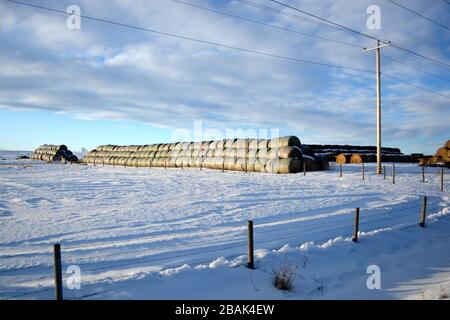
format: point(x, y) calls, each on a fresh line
point(107, 84)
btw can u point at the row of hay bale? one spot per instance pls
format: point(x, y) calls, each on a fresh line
point(440, 158)
point(345, 158)
point(278, 155)
point(51, 153)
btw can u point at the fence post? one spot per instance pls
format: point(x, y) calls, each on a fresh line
point(393, 173)
point(423, 212)
point(363, 177)
point(58, 271)
point(165, 165)
point(304, 168)
point(442, 179)
point(384, 172)
point(251, 263)
point(355, 232)
point(340, 170)
point(423, 173)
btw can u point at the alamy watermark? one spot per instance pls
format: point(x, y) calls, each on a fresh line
point(73, 281)
point(73, 22)
point(374, 280)
point(374, 20)
point(200, 133)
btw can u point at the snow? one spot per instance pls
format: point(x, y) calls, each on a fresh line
point(140, 233)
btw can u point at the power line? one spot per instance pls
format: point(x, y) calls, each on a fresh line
point(363, 34)
point(329, 21)
point(414, 85)
point(418, 14)
point(173, 35)
point(211, 43)
point(267, 24)
point(415, 68)
point(295, 31)
point(434, 61)
point(287, 14)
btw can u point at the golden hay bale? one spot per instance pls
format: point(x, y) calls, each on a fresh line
point(357, 158)
point(343, 158)
point(442, 152)
point(447, 144)
point(288, 141)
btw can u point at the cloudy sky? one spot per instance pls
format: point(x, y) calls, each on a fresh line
point(107, 83)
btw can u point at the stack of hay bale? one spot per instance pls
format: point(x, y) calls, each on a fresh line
point(440, 158)
point(50, 153)
point(278, 155)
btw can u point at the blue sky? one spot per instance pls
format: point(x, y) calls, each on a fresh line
point(106, 84)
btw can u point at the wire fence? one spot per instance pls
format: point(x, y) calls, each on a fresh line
point(269, 236)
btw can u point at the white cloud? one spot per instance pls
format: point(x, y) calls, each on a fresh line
point(108, 72)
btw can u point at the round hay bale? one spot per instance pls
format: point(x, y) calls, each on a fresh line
point(447, 144)
point(343, 158)
point(205, 145)
point(253, 144)
point(263, 144)
point(230, 153)
point(211, 153)
point(251, 164)
point(212, 145)
point(280, 166)
point(197, 146)
point(357, 158)
point(229, 163)
point(288, 141)
point(241, 144)
point(242, 153)
point(310, 164)
point(289, 152)
point(218, 163)
point(253, 153)
point(240, 165)
point(229, 143)
point(263, 153)
point(260, 165)
point(220, 144)
point(442, 152)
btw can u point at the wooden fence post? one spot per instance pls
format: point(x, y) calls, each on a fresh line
point(423, 212)
point(58, 271)
point(304, 168)
point(340, 170)
point(442, 179)
point(251, 263)
point(355, 232)
point(393, 173)
point(423, 173)
point(363, 173)
point(384, 172)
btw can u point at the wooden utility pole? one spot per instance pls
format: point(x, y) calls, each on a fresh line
point(378, 72)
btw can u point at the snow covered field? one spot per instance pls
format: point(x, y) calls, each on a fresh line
point(181, 234)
